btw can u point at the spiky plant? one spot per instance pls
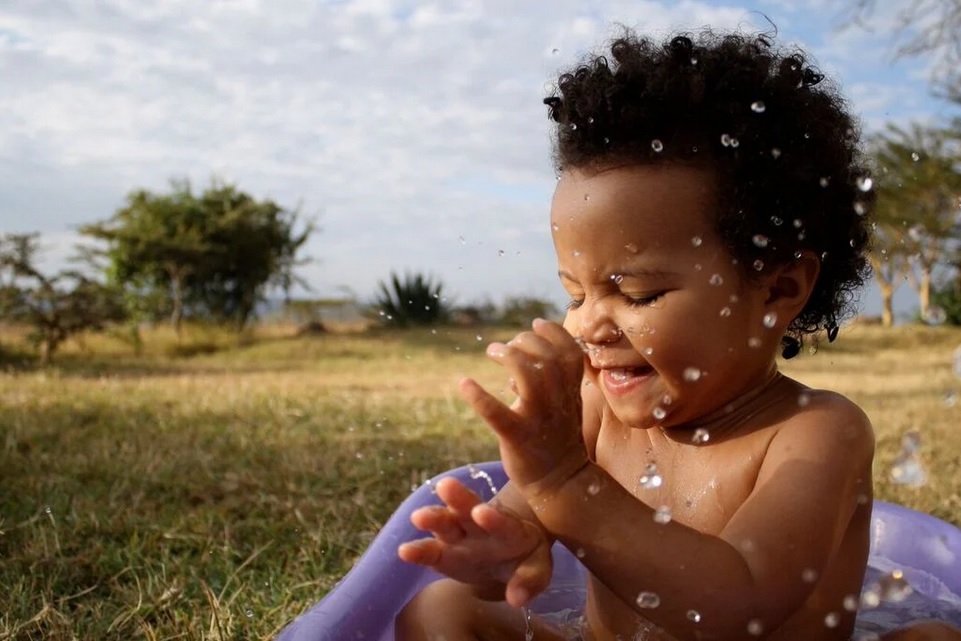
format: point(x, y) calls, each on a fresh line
point(414, 300)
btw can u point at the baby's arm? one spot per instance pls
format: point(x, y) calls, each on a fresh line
point(808, 488)
point(497, 547)
point(763, 565)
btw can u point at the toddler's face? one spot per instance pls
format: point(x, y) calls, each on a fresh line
point(672, 330)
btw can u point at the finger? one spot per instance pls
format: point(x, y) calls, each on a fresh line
point(421, 552)
point(458, 497)
point(501, 418)
point(500, 525)
point(439, 521)
point(531, 577)
point(558, 337)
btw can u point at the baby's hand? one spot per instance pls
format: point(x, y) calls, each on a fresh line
point(540, 434)
point(474, 542)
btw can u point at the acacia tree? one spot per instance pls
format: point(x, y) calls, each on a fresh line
point(213, 254)
point(919, 184)
point(56, 307)
point(926, 27)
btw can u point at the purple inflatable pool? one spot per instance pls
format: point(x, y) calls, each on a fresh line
point(926, 550)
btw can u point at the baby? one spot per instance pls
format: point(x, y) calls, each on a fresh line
point(711, 211)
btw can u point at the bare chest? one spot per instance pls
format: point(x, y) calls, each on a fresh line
point(700, 486)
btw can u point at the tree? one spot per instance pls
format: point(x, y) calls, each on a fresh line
point(889, 264)
point(415, 300)
point(918, 188)
point(214, 254)
point(927, 27)
point(58, 306)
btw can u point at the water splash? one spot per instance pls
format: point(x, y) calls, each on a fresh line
point(477, 473)
point(650, 479)
point(907, 468)
point(648, 600)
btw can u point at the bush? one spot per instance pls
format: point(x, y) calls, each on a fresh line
point(948, 298)
point(415, 300)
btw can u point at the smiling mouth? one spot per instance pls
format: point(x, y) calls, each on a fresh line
point(620, 380)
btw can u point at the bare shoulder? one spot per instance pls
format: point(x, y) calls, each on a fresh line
point(827, 426)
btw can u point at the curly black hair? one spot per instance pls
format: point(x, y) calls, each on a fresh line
point(791, 177)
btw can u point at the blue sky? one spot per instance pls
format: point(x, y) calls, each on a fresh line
point(412, 130)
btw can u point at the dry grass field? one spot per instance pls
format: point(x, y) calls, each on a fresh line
point(216, 487)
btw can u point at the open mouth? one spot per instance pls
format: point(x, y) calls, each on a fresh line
point(620, 380)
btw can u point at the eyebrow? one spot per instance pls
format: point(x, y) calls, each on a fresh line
point(653, 274)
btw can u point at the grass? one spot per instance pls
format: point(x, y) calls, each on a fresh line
point(215, 487)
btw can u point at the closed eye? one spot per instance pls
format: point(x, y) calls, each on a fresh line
point(574, 303)
point(642, 301)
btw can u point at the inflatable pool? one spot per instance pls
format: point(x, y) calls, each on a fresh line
point(923, 552)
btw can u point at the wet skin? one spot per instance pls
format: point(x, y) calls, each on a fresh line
point(665, 337)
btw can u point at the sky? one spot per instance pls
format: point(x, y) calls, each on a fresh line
point(413, 132)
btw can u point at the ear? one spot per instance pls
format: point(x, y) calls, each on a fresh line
point(789, 286)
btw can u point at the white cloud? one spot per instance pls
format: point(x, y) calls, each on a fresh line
point(404, 124)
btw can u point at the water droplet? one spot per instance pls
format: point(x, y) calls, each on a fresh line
point(916, 233)
point(249, 614)
point(755, 627)
point(590, 120)
point(934, 315)
point(662, 515)
point(694, 60)
point(501, 252)
point(725, 312)
point(648, 351)
point(587, 197)
point(607, 140)
point(573, 126)
point(758, 265)
point(770, 320)
point(47, 509)
point(809, 575)
point(555, 226)
point(659, 413)
point(647, 600)
point(479, 338)
point(631, 247)
point(694, 616)
point(907, 468)
point(760, 240)
point(692, 374)
point(758, 106)
point(477, 473)
point(580, 553)
point(617, 278)
point(860, 208)
point(864, 183)
point(716, 279)
point(576, 253)
point(696, 241)
point(776, 221)
point(803, 399)
point(701, 436)
point(555, 51)
point(915, 156)
point(657, 146)
point(798, 223)
point(950, 399)
point(870, 597)
point(463, 241)
point(894, 588)
point(734, 142)
point(726, 140)
point(831, 620)
point(650, 479)
point(594, 487)
point(775, 153)
point(825, 181)
point(754, 342)
point(850, 603)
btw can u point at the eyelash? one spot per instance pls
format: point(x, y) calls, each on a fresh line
point(633, 302)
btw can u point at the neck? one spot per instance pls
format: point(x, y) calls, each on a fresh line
point(727, 418)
